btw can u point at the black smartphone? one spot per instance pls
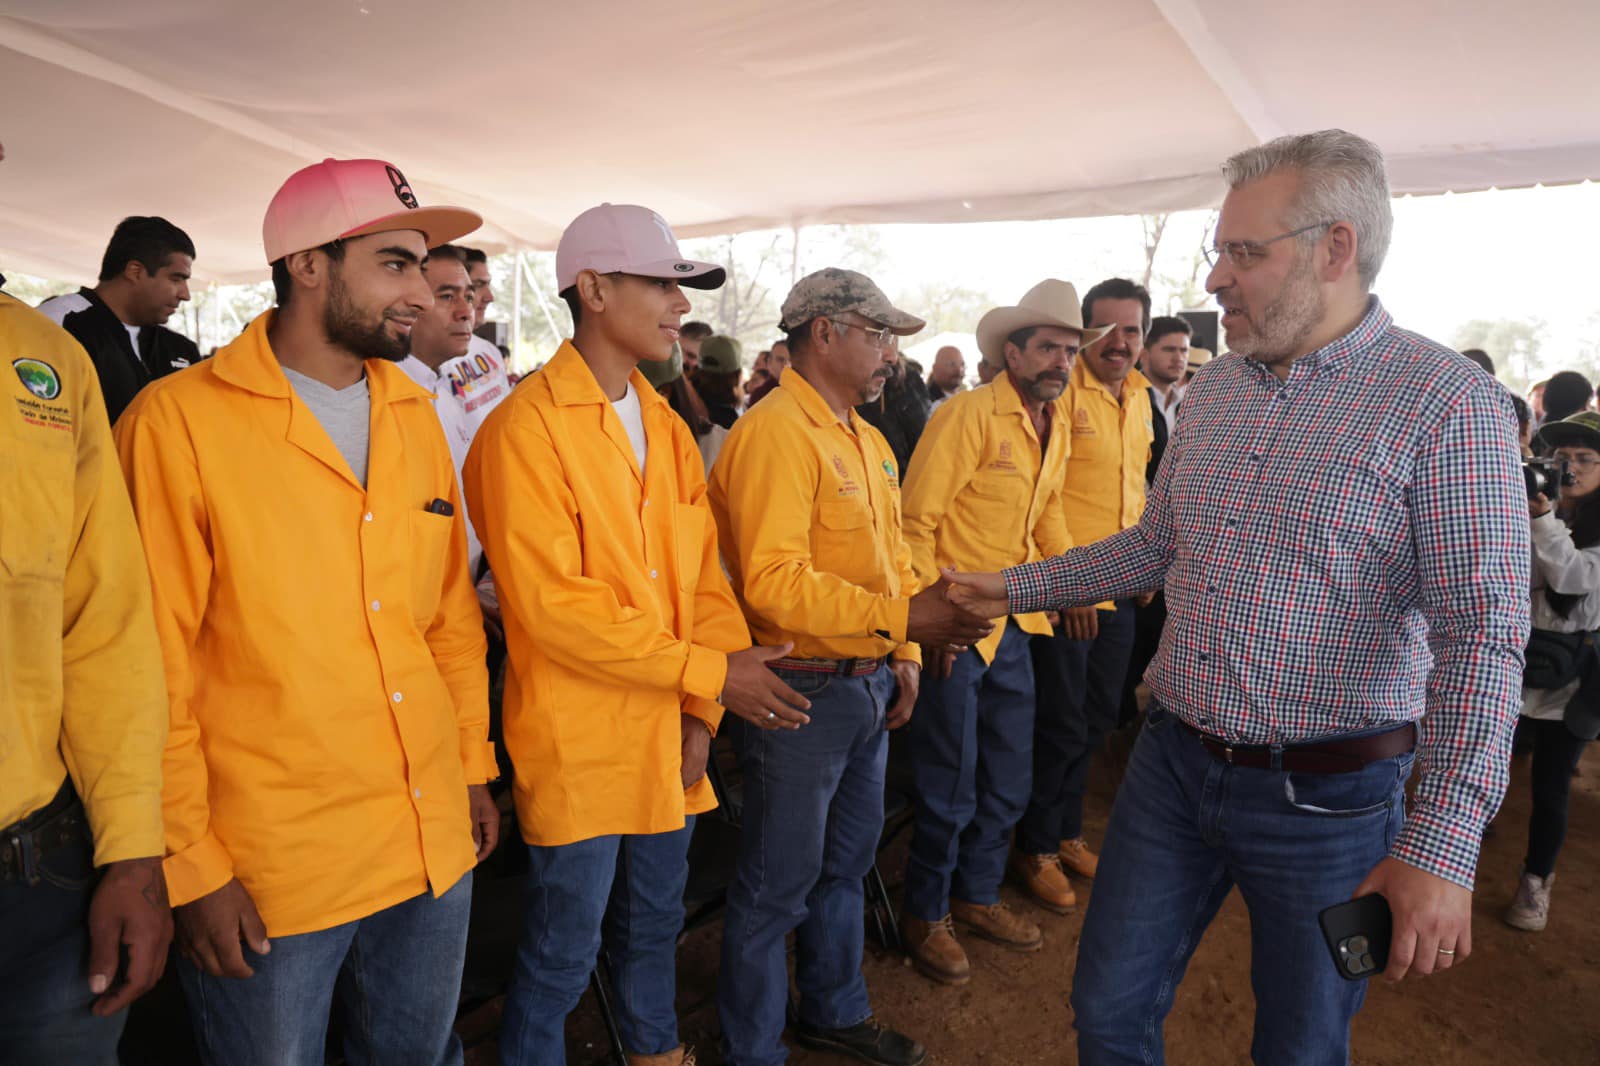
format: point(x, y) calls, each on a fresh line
point(1358, 935)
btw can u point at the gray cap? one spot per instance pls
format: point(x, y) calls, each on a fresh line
point(833, 291)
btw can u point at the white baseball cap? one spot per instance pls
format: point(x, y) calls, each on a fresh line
point(349, 198)
point(628, 239)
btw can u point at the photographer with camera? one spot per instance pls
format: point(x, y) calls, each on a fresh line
point(1563, 669)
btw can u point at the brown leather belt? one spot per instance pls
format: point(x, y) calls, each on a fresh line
point(1321, 757)
point(835, 667)
point(57, 825)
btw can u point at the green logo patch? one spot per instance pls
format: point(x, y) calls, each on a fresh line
point(38, 377)
point(888, 468)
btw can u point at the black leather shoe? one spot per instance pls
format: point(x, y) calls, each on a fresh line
point(869, 1042)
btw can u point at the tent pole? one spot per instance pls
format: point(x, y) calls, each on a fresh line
point(538, 294)
point(516, 312)
point(794, 256)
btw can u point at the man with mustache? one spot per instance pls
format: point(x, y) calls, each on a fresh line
point(325, 779)
point(1080, 669)
point(1342, 529)
point(625, 642)
point(807, 500)
point(985, 493)
point(144, 277)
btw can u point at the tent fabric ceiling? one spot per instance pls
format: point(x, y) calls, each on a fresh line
point(736, 114)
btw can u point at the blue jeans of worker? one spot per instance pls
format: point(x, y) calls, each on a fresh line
point(972, 757)
point(1184, 831)
point(623, 893)
point(397, 974)
point(44, 953)
point(813, 813)
point(1078, 685)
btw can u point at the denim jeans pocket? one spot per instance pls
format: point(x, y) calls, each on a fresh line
point(807, 683)
point(1370, 791)
point(70, 866)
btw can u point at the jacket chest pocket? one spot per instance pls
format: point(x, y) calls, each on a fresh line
point(36, 503)
point(430, 544)
point(843, 537)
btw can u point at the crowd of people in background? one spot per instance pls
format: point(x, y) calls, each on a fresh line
point(283, 580)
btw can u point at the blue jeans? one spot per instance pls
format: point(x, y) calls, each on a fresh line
point(621, 892)
point(813, 813)
point(1079, 687)
point(397, 974)
point(972, 752)
point(1184, 830)
point(44, 954)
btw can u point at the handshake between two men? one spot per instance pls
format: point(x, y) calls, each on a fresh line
point(945, 619)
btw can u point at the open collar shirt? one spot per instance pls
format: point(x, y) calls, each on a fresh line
point(1344, 550)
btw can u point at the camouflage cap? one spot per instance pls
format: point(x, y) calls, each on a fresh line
point(833, 291)
point(721, 355)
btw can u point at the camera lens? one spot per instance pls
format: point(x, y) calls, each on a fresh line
point(1357, 945)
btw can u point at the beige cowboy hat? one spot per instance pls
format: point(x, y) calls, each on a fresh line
point(1199, 357)
point(1049, 303)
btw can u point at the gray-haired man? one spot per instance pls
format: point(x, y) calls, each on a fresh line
point(1341, 526)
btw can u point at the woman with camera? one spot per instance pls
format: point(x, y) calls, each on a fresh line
point(1561, 682)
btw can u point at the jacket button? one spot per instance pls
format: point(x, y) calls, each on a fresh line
point(376, 606)
point(398, 697)
point(367, 517)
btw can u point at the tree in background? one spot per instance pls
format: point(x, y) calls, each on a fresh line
point(1514, 345)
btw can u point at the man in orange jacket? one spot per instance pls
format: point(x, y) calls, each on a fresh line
point(625, 642)
point(324, 788)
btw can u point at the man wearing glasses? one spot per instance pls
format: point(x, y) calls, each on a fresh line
point(1340, 524)
point(807, 501)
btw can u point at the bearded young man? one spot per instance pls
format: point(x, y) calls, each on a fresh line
point(324, 787)
point(1343, 534)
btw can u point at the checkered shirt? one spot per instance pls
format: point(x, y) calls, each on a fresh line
point(1342, 551)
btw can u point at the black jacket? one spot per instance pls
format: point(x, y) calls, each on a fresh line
point(122, 371)
point(900, 414)
point(1158, 447)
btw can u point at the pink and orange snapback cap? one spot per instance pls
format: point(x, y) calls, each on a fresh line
point(628, 239)
point(349, 198)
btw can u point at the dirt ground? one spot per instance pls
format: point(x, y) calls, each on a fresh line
point(1524, 998)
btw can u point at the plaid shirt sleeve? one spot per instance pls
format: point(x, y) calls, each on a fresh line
point(1123, 564)
point(1469, 516)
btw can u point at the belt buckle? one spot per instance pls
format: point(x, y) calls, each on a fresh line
point(847, 667)
point(1227, 754)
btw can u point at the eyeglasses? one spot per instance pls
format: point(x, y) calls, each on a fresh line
point(878, 338)
point(1246, 254)
point(1582, 462)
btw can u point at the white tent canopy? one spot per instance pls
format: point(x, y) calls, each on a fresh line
point(738, 114)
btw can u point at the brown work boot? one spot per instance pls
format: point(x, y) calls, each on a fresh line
point(678, 1056)
point(1041, 875)
point(1076, 858)
point(934, 950)
point(999, 924)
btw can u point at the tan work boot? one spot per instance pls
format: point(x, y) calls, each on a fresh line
point(934, 950)
point(998, 924)
point(678, 1056)
point(1076, 858)
point(1041, 875)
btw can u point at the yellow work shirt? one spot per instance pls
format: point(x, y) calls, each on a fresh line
point(982, 495)
point(1110, 450)
point(618, 617)
point(324, 647)
point(81, 690)
point(808, 512)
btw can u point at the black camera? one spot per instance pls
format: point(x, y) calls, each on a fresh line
point(1545, 477)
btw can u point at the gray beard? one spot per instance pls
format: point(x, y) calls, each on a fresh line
point(1287, 321)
